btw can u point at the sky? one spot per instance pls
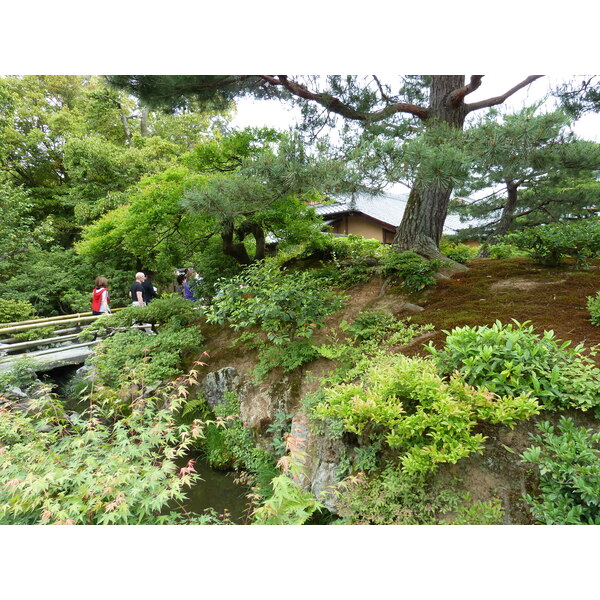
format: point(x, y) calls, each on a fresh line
point(272, 113)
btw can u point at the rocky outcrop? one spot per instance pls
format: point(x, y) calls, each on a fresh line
point(215, 384)
point(320, 455)
point(320, 461)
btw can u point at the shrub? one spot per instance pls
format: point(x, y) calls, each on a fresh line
point(458, 252)
point(568, 462)
point(152, 358)
point(593, 305)
point(404, 402)
point(284, 305)
point(549, 244)
point(395, 498)
point(502, 250)
point(288, 356)
point(170, 310)
point(330, 247)
point(13, 311)
point(415, 271)
point(511, 359)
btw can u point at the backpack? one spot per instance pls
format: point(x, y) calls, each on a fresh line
point(97, 298)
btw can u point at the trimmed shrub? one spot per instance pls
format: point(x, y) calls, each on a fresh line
point(12, 311)
point(549, 244)
point(415, 271)
point(286, 306)
point(593, 305)
point(512, 359)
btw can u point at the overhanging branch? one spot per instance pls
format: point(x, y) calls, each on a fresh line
point(335, 105)
point(500, 99)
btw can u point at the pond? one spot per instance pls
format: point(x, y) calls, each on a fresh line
point(217, 490)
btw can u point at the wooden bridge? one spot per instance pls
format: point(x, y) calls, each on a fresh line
point(61, 349)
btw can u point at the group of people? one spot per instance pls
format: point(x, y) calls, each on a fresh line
point(142, 291)
point(183, 284)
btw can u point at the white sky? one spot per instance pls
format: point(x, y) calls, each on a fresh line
point(272, 113)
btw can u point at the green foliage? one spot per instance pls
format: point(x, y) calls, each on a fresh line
point(568, 462)
point(371, 334)
point(278, 430)
point(150, 226)
point(549, 244)
point(284, 305)
point(327, 247)
point(22, 375)
point(415, 271)
point(152, 358)
point(593, 305)
point(502, 250)
point(57, 281)
point(94, 470)
point(288, 356)
point(213, 265)
point(405, 403)
point(394, 498)
point(289, 504)
point(488, 512)
point(13, 311)
point(512, 359)
point(458, 252)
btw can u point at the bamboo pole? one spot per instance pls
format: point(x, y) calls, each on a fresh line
point(58, 318)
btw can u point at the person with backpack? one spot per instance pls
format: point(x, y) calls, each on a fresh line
point(100, 297)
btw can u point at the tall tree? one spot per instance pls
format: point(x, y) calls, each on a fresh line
point(533, 166)
point(368, 102)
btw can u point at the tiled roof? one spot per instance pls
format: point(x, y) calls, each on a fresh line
point(385, 207)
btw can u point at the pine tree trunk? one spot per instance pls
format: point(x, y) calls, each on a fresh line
point(423, 221)
point(144, 122)
point(508, 211)
point(506, 219)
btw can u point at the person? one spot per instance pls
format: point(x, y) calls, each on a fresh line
point(136, 293)
point(188, 294)
point(100, 297)
point(180, 282)
point(150, 292)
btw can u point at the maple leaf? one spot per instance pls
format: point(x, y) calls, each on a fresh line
point(189, 468)
point(12, 483)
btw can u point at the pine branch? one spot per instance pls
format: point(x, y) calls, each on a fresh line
point(500, 99)
point(457, 96)
point(335, 105)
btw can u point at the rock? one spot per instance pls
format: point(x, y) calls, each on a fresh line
point(320, 461)
point(215, 384)
point(258, 405)
point(87, 371)
point(15, 391)
point(412, 307)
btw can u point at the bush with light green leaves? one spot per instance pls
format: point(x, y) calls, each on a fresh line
point(550, 244)
point(512, 359)
point(403, 402)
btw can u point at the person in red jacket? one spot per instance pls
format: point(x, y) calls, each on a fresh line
point(100, 297)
